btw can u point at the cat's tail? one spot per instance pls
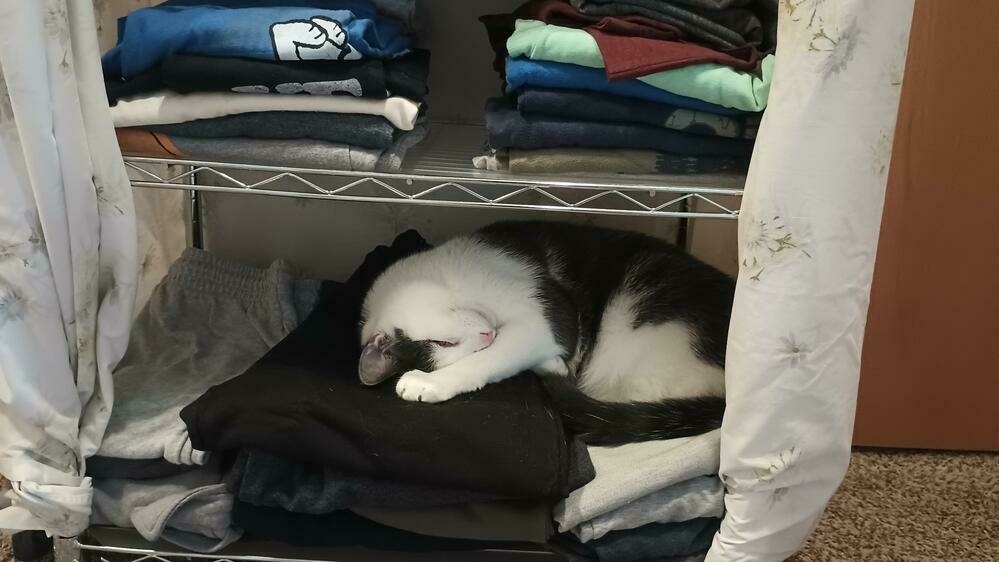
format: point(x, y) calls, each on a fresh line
point(617, 423)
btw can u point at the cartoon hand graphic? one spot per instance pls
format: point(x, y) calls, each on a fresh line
point(318, 38)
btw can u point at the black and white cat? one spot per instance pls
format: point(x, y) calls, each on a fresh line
point(633, 322)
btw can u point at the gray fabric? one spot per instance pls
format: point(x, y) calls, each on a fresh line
point(631, 472)
point(370, 131)
point(302, 153)
point(492, 521)
point(191, 510)
point(703, 496)
point(242, 311)
point(726, 29)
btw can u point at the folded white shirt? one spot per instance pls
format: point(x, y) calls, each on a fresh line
point(167, 107)
point(630, 472)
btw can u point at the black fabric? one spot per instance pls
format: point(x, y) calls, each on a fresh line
point(304, 401)
point(133, 469)
point(405, 76)
point(340, 528)
point(355, 129)
point(271, 481)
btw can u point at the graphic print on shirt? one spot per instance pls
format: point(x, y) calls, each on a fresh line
point(323, 88)
point(317, 38)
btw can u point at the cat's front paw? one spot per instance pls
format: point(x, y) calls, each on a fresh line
point(417, 386)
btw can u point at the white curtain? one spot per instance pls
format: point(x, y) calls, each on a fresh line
point(807, 240)
point(67, 261)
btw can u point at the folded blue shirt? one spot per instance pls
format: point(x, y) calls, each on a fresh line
point(525, 72)
point(342, 30)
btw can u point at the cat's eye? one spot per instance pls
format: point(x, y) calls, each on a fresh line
point(443, 343)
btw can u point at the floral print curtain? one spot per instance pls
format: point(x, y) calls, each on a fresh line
point(67, 261)
point(807, 239)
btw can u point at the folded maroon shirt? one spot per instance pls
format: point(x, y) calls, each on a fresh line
point(631, 46)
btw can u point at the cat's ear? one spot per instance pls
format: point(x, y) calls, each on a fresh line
point(377, 362)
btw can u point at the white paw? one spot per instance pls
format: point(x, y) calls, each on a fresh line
point(553, 366)
point(417, 386)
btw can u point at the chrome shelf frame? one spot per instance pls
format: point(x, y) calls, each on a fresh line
point(631, 196)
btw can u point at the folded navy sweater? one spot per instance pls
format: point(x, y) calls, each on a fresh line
point(509, 128)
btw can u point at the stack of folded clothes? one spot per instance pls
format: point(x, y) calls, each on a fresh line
point(239, 413)
point(659, 500)
point(630, 86)
point(304, 83)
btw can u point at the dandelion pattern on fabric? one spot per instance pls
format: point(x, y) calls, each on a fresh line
point(767, 243)
point(13, 304)
point(792, 350)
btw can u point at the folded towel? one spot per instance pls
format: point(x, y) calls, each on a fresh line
point(355, 129)
point(522, 72)
point(351, 31)
point(593, 106)
point(721, 85)
point(509, 128)
point(167, 107)
point(631, 472)
point(405, 77)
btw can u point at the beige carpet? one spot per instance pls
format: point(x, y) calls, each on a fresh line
point(912, 505)
point(903, 506)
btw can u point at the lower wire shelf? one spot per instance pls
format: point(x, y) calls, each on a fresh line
point(439, 172)
point(109, 544)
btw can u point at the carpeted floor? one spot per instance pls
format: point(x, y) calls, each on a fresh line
point(912, 505)
point(903, 506)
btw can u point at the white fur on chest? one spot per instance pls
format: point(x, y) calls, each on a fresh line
point(650, 363)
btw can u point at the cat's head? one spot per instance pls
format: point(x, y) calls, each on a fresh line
point(418, 326)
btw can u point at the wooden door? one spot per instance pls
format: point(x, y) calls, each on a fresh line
point(930, 376)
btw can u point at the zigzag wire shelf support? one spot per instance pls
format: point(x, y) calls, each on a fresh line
point(472, 189)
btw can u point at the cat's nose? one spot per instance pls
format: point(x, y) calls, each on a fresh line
point(488, 337)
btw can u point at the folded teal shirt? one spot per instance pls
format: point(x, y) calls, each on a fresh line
point(712, 83)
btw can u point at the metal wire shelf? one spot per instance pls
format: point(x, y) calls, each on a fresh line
point(439, 173)
point(106, 544)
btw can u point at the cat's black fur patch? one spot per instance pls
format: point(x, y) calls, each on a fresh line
point(614, 423)
point(408, 354)
point(584, 267)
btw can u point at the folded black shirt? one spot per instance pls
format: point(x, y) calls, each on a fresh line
point(340, 528)
point(304, 401)
point(405, 76)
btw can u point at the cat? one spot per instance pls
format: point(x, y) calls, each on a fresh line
point(630, 329)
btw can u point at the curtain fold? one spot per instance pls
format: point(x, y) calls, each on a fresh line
point(808, 235)
point(67, 261)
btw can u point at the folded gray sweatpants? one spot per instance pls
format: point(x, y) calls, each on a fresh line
point(208, 321)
